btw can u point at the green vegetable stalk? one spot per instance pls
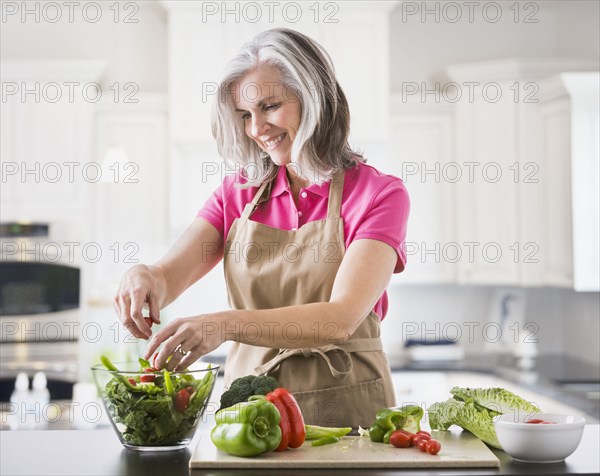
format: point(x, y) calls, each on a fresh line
point(168, 383)
point(247, 428)
point(389, 420)
point(314, 432)
point(121, 378)
point(325, 441)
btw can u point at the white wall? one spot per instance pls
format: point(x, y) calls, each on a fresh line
point(135, 52)
point(421, 48)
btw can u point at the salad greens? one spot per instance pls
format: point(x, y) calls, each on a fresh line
point(155, 412)
point(474, 409)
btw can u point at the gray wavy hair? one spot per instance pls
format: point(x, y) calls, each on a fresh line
point(320, 147)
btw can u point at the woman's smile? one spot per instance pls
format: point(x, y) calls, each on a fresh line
point(272, 144)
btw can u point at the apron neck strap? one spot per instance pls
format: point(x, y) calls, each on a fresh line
point(249, 208)
point(336, 187)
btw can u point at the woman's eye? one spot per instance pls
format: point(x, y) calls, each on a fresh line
point(245, 116)
point(271, 107)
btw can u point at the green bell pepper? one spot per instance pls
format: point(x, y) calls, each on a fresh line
point(247, 428)
point(389, 420)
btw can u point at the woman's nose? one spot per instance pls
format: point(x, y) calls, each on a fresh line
point(258, 125)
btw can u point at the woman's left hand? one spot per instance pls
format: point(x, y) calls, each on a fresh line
point(185, 340)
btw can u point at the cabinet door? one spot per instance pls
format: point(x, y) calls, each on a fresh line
point(488, 206)
point(422, 155)
point(557, 250)
point(46, 159)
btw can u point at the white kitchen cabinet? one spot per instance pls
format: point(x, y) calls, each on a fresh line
point(569, 134)
point(497, 206)
point(422, 155)
point(46, 132)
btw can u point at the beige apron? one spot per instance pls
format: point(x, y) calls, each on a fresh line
point(265, 268)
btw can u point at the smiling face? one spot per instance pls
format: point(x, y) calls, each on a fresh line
point(270, 112)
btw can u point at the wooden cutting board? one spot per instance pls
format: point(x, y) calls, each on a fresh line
point(459, 450)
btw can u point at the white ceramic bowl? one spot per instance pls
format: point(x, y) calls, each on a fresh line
point(538, 443)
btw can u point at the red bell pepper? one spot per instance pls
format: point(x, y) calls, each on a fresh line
point(293, 432)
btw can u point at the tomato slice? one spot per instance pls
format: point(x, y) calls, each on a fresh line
point(147, 378)
point(400, 439)
point(132, 381)
point(182, 400)
point(534, 421)
point(433, 447)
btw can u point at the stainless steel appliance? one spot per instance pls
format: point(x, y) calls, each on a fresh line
point(39, 310)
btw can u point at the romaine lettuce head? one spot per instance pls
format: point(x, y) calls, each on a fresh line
point(468, 415)
point(496, 399)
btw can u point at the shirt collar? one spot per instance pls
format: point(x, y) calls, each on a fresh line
point(282, 184)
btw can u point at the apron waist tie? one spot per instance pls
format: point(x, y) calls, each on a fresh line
point(368, 344)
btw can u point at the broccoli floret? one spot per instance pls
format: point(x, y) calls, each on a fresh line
point(244, 387)
point(263, 385)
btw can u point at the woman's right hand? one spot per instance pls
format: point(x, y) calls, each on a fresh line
point(138, 286)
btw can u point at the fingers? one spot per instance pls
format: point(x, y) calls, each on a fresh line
point(122, 307)
point(161, 336)
point(189, 359)
point(154, 307)
point(178, 354)
point(137, 317)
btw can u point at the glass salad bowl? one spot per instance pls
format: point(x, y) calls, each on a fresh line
point(154, 410)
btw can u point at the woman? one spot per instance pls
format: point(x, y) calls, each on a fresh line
point(309, 235)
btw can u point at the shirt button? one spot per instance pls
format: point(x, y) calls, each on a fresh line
point(303, 194)
point(299, 214)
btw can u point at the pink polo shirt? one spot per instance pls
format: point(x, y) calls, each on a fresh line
point(374, 206)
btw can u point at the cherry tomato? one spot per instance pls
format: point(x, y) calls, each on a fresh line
point(150, 377)
point(182, 400)
point(426, 433)
point(400, 439)
point(433, 447)
point(414, 439)
point(132, 381)
point(422, 445)
point(190, 389)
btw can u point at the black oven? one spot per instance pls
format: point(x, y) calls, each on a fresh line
point(39, 311)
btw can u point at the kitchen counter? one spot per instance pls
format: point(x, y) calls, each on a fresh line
point(98, 452)
point(554, 376)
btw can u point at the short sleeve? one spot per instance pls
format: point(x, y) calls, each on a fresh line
point(213, 210)
point(386, 220)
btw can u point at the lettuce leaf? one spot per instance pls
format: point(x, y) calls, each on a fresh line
point(496, 399)
point(474, 418)
point(474, 410)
